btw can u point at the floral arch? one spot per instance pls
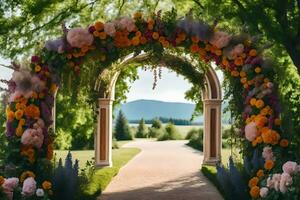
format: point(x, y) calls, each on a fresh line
point(32, 93)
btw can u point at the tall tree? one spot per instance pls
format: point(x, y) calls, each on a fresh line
point(141, 130)
point(122, 129)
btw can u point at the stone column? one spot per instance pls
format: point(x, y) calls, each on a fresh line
point(103, 140)
point(212, 144)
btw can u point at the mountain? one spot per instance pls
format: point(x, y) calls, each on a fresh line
point(149, 109)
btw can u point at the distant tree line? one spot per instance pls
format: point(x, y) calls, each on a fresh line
point(168, 120)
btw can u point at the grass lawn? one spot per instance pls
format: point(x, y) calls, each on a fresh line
point(103, 176)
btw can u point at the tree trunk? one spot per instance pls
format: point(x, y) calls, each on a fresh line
point(294, 54)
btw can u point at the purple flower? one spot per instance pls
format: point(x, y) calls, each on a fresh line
point(35, 59)
point(92, 29)
point(10, 130)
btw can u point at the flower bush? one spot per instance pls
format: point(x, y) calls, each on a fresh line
point(33, 87)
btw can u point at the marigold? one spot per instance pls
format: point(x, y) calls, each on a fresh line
point(143, 40)
point(135, 41)
point(2, 180)
point(238, 61)
point(254, 192)
point(243, 80)
point(260, 173)
point(195, 39)
point(155, 35)
point(37, 68)
point(32, 111)
point(46, 185)
point(269, 164)
point(138, 34)
point(253, 182)
point(284, 143)
point(277, 122)
point(194, 48)
point(259, 139)
point(257, 70)
point(102, 35)
point(252, 52)
point(259, 103)
point(10, 115)
point(19, 131)
point(19, 114)
point(235, 73)
point(99, 26)
point(25, 175)
point(260, 120)
point(242, 74)
point(252, 102)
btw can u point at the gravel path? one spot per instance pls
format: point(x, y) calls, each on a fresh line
point(167, 170)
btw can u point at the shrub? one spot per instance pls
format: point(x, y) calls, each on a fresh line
point(141, 130)
point(170, 133)
point(122, 130)
point(156, 124)
point(115, 144)
point(155, 132)
point(195, 139)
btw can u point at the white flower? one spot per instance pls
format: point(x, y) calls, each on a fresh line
point(79, 37)
point(40, 192)
point(263, 192)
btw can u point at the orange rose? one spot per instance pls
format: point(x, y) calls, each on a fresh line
point(32, 111)
point(284, 143)
point(253, 182)
point(238, 61)
point(252, 53)
point(252, 101)
point(243, 80)
point(194, 48)
point(269, 164)
point(135, 41)
point(99, 26)
point(259, 103)
point(242, 74)
point(138, 34)
point(19, 114)
point(254, 192)
point(155, 35)
point(46, 185)
point(235, 73)
point(260, 173)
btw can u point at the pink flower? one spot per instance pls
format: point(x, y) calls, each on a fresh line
point(29, 187)
point(276, 180)
point(127, 23)
point(290, 167)
point(285, 181)
point(251, 131)
point(109, 29)
point(9, 185)
point(263, 192)
point(267, 153)
point(236, 51)
point(220, 39)
point(33, 137)
point(79, 37)
point(39, 124)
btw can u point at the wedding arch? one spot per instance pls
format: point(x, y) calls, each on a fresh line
point(32, 91)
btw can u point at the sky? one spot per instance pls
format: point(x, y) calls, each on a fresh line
point(171, 87)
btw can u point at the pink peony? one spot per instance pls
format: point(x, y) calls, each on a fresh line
point(285, 181)
point(29, 187)
point(109, 29)
point(126, 23)
point(236, 51)
point(220, 39)
point(267, 153)
point(8, 187)
point(263, 192)
point(251, 131)
point(276, 180)
point(79, 37)
point(33, 137)
point(39, 124)
point(290, 167)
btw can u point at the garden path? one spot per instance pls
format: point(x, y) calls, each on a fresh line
point(167, 170)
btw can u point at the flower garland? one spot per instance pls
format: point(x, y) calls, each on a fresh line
point(32, 91)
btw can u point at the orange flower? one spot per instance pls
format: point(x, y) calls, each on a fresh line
point(19, 114)
point(10, 115)
point(99, 26)
point(137, 15)
point(46, 185)
point(194, 48)
point(238, 61)
point(242, 74)
point(85, 49)
point(28, 151)
point(155, 35)
point(150, 27)
point(25, 175)
point(143, 40)
point(138, 34)
point(277, 122)
point(32, 111)
point(165, 44)
point(260, 173)
point(20, 106)
point(218, 52)
point(259, 139)
point(2, 180)
point(38, 68)
point(243, 80)
point(102, 35)
point(284, 143)
point(135, 41)
point(254, 192)
point(50, 152)
point(19, 131)
point(252, 101)
point(257, 70)
point(252, 53)
point(259, 103)
point(235, 73)
point(195, 39)
point(253, 182)
point(182, 36)
point(96, 33)
point(260, 120)
point(269, 164)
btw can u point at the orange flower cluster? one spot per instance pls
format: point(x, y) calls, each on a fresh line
point(29, 152)
point(254, 192)
point(25, 175)
point(269, 164)
point(32, 111)
point(253, 182)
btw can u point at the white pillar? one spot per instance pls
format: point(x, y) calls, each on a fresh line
point(103, 140)
point(212, 144)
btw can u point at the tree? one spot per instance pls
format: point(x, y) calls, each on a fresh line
point(156, 123)
point(122, 129)
point(141, 130)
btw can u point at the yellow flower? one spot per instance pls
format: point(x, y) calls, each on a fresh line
point(259, 103)
point(257, 70)
point(254, 192)
point(242, 74)
point(25, 175)
point(19, 131)
point(252, 101)
point(260, 173)
point(137, 15)
point(155, 35)
point(46, 185)
point(238, 61)
point(269, 164)
point(243, 80)
point(253, 182)
point(37, 68)
point(235, 73)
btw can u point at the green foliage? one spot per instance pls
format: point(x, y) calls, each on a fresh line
point(2, 133)
point(170, 133)
point(142, 131)
point(156, 123)
point(122, 129)
point(195, 137)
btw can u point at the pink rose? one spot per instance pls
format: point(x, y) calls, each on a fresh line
point(8, 187)
point(79, 37)
point(263, 192)
point(276, 180)
point(236, 51)
point(220, 39)
point(290, 167)
point(33, 137)
point(29, 187)
point(109, 29)
point(251, 131)
point(127, 23)
point(285, 181)
point(267, 153)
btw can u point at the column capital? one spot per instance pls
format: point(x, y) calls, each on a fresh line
point(212, 101)
point(105, 101)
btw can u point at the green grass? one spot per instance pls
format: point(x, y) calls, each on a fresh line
point(103, 176)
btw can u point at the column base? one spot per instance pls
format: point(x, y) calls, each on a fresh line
point(211, 162)
point(103, 164)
